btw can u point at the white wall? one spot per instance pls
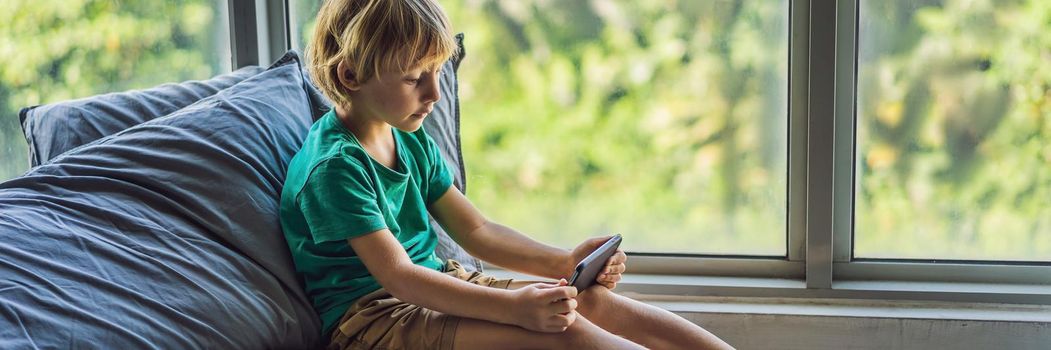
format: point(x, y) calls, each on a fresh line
point(824, 326)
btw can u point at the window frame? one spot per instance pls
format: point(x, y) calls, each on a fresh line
point(259, 31)
point(846, 267)
point(819, 261)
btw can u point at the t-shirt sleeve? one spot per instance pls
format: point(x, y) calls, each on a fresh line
point(339, 202)
point(439, 179)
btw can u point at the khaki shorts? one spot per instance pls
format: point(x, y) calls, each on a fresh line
point(380, 321)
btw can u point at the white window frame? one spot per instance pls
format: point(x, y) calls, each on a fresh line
point(819, 260)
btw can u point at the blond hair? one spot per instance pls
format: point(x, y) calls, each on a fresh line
point(370, 35)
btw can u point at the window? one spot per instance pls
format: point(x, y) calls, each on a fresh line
point(56, 51)
point(954, 139)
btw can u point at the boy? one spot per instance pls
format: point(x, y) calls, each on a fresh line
point(355, 208)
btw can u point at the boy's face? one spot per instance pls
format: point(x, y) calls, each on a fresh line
point(401, 99)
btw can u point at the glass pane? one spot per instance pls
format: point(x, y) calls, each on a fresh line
point(302, 15)
point(60, 50)
point(665, 121)
point(954, 130)
point(661, 120)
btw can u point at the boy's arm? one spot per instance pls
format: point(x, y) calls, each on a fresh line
point(538, 307)
point(499, 244)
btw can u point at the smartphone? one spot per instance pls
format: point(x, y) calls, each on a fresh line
point(588, 269)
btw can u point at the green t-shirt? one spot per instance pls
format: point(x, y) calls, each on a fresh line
point(335, 191)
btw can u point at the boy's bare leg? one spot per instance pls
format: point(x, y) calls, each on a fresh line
point(642, 323)
point(645, 324)
point(479, 334)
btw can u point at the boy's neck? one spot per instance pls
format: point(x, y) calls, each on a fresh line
point(369, 132)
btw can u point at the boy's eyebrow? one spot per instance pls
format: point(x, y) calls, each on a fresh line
point(436, 69)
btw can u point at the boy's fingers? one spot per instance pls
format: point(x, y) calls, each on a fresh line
point(549, 285)
point(558, 293)
point(610, 281)
point(618, 258)
point(566, 320)
point(563, 306)
point(615, 269)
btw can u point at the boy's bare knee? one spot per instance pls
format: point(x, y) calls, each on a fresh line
point(582, 334)
point(593, 298)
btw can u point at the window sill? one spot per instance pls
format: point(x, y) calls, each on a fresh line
point(871, 299)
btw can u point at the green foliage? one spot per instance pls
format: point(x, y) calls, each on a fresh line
point(59, 50)
point(662, 120)
point(954, 111)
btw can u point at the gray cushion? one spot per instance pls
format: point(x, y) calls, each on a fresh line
point(56, 128)
point(163, 235)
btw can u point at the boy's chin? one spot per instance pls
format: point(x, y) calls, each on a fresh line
point(409, 125)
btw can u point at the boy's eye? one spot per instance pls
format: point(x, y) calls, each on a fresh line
point(412, 81)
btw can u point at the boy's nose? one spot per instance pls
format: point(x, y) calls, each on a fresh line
point(432, 93)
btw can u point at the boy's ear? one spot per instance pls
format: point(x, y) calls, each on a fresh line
point(347, 76)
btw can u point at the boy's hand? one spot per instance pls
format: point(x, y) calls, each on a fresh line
point(545, 307)
point(615, 266)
